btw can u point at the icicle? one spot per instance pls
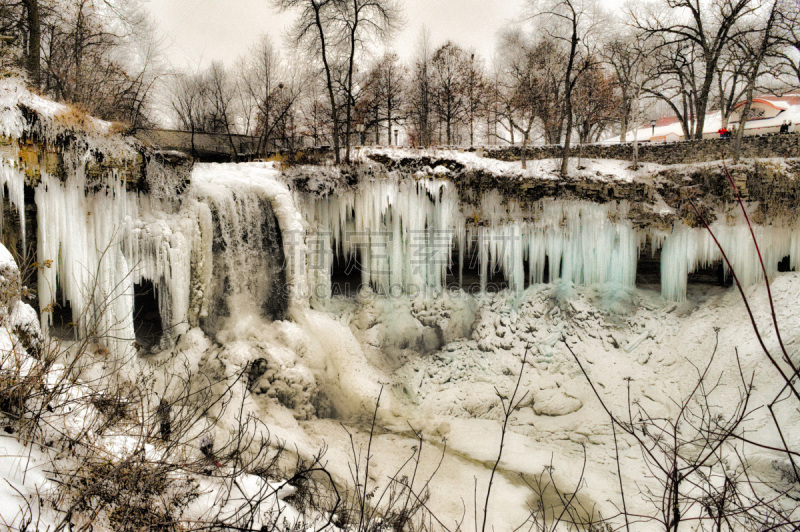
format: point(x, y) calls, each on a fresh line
point(685, 249)
point(80, 239)
point(13, 178)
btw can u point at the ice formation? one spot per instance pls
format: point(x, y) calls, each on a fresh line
point(240, 205)
point(238, 238)
point(13, 180)
point(401, 231)
point(80, 239)
point(686, 249)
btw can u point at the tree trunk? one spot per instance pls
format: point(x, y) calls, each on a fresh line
point(525, 151)
point(623, 124)
point(449, 137)
point(349, 95)
point(33, 57)
point(568, 100)
point(676, 514)
point(234, 151)
point(700, 115)
point(194, 151)
point(334, 117)
point(737, 146)
point(389, 121)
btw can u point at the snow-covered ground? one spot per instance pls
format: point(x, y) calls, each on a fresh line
point(579, 168)
point(440, 373)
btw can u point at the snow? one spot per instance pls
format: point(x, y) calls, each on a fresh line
point(446, 387)
point(52, 119)
point(603, 170)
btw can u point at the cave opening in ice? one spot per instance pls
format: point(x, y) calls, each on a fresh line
point(346, 275)
point(62, 326)
point(785, 265)
point(148, 325)
point(648, 265)
point(475, 269)
point(713, 273)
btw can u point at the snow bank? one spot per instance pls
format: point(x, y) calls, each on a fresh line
point(25, 114)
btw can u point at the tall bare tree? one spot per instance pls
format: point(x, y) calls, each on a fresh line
point(34, 41)
point(476, 94)
point(187, 100)
point(384, 94)
point(694, 34)
point(450, 80)
point(756, 45)
point(573, 24)
point(788, 35)
point(420, 92)
point(626, 57)
point(597, 103)
point(519, 90)
point(314, 29)
point(267, 91)
point(362, 20)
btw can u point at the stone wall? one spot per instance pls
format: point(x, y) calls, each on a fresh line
point(692, 151)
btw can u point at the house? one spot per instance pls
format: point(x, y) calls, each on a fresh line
point(767, 114)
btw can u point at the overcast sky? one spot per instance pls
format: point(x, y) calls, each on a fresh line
point(200, 31)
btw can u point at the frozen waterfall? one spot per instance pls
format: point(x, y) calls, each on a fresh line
point(240, 240)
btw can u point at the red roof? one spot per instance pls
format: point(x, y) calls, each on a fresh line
point(791, 99)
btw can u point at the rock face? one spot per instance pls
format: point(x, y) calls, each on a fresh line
point(773, 187)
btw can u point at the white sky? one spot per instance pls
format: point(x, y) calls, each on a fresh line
point(199, 31)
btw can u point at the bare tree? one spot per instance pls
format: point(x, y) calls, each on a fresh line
point(314, 114)
point(220, 93)
point(450, 69)
point(420, 92)
point(731, 82)
point(626, 56)
point(268, 91)
point(690, 37)
point(476, 94)
point(549, 73)
point(384, 95)
point(572, 24)
point(187, 100)
point(34, 41)
point(520, 90)
point(788, 36)
point(756, 45)
point(362, 20)
point(313, 29)
point(597, 104)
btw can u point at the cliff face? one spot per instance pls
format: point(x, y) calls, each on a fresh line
point(772, 186)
